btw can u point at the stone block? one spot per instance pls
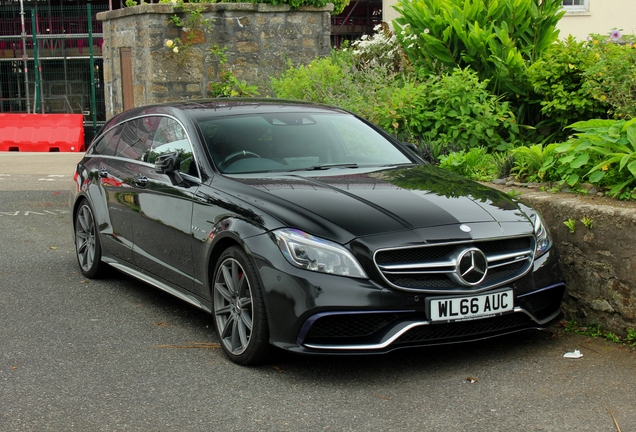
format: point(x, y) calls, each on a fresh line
point(157, 89)
point(194, 89)
point(246, 47)
point(277, 20)
point(193, 37)
point(294, 18)
point(268, 33)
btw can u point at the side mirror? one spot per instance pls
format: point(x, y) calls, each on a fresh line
point(415, 149)
point(168, 164)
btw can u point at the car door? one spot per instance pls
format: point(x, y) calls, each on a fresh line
point(114, 198)
point(162, 216)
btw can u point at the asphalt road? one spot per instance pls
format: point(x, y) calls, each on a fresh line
point(115, 354)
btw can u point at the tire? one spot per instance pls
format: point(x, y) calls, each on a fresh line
point(87, 246)
point(239, 311)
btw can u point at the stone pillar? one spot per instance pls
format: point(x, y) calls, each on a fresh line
point(261, 40)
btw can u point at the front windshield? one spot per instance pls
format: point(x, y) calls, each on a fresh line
point(295, 141)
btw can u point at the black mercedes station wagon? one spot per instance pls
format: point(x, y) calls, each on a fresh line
point(306, 228)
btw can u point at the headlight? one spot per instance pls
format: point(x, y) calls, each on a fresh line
point(544, 240)
point(315, 254)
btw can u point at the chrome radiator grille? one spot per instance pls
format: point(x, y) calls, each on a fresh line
point(435, 267)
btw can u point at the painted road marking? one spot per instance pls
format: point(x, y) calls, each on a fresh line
point(53, 177)
point(50, 177)
point(31, 212)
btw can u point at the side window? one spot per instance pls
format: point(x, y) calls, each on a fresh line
point(170, 137)
point(107, 145)
point(136, 137)
point(130, 146)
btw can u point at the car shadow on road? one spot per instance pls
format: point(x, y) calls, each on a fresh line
point(405, 360)
point(198, 323)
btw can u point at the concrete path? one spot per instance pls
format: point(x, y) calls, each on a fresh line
point(37, 171)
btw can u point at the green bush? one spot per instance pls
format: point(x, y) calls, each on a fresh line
point(531, 163)
point(476, 164)
point(455, 109)
point(495, 38)
point(458, 108)
point(606, 149)
point(337, 81)
point(611, 78)
point(558, 76)
point(316, 82)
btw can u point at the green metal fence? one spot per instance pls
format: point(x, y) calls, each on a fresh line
point(51, 61)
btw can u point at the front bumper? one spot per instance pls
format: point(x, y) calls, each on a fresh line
point(387, 330)
point(317, 313)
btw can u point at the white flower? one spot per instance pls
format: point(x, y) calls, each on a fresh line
point(426, 31)
point(410, 46)
point(169, 43)
point(175, 49)
point(615, 34)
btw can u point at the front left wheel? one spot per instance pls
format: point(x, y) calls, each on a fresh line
point(239, 309)
point(87, 246)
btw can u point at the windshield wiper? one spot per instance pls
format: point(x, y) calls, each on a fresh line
point(330, 166)
point(399, 164)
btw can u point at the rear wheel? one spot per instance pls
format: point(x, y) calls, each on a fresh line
point(239, 310)
point(87, 246)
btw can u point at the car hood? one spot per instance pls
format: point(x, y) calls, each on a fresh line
point(379, 201)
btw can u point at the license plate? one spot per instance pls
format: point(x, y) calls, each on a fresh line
point(470, 307)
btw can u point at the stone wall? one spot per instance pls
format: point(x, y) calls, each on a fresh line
point(260, 39)
point(599, 263)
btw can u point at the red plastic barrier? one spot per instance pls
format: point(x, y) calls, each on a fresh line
point(42, 132)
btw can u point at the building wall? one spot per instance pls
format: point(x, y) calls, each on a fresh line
point(602, 17)
point(260, 40)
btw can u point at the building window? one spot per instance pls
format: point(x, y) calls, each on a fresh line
point(575, 5)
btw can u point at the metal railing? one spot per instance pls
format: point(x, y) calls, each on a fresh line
point(51, 60)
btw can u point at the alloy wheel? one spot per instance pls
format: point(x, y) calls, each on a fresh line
point(233, 306)
point(85, 233)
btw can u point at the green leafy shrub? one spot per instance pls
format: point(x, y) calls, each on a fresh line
point(476, 163)
point(611, 78)
point(497, 39)
point(364, 79)
point(558, 76)
point(317, 81)
point(531, 163)
point(607, 150)
point(601, 152)
point(458, 108)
